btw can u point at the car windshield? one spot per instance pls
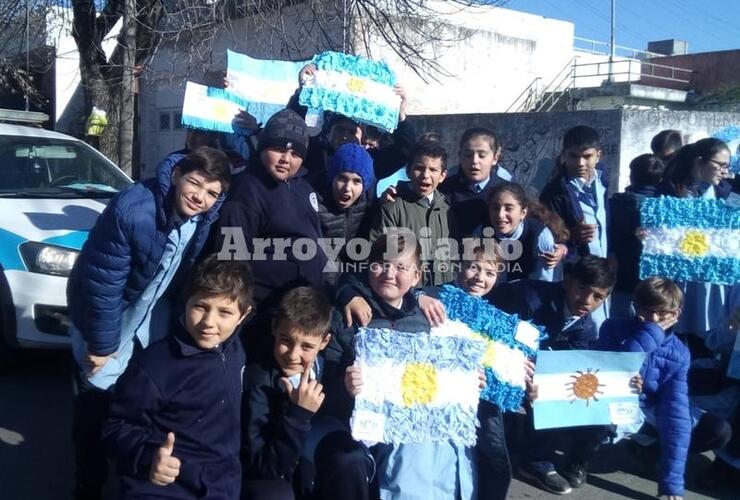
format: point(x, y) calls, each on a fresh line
point(55, 168)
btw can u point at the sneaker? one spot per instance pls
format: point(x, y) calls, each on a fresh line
point(576, 474)
point(547, 480)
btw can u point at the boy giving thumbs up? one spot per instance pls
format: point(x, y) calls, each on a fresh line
point(165, 467)
point(174, 423)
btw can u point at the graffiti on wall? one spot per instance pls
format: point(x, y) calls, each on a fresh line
point(731, 135)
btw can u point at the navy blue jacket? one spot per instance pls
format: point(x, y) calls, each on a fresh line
point(665, 390)
point(275, 428)
point(122, 255)
point(175, 386)
point(622, 230)
point(558, 197)
point(471, 209)
point(265, 208)
point(543, 303)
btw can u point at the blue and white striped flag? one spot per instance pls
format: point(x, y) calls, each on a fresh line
point(355, 87)
point(509, 342)
point(690, 239)
point(417, 388)
point(264, 85)
point(586, 388)
point(210, 108)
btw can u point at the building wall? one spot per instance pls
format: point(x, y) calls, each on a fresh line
point(498, 53)
point(712, 70)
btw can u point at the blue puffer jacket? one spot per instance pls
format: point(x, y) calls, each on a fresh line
point(665, 390)
point(122, 255)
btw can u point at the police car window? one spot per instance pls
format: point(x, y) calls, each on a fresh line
point(32, 164)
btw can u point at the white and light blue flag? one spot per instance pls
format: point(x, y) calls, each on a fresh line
point(265, 86)
point(417, 387)
point(586, 388)
point(355, 87)
point(690, 239)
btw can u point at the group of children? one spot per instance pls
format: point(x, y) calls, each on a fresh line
point(213, 327)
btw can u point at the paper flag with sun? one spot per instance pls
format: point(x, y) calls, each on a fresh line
point(691, 239)
point(509, 341)
point(586, 388)
point(417, 388)
point(353, 86)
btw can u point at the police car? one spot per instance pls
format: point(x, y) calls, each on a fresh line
point(53, 187)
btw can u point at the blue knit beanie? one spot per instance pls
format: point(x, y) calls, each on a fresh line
point(353, 158)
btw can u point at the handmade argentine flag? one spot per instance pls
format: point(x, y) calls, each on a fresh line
point(264, 85)
point(209, 108)
point(355, 87)
point(509, 342)
point(586, 388)
point(691, 239)
point(417, 388)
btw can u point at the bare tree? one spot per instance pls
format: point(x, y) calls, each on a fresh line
point(409, 27)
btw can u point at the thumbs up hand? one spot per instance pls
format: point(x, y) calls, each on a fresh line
point(165, 467)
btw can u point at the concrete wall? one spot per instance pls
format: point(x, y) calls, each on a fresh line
point(532, 141)
point(639, 127)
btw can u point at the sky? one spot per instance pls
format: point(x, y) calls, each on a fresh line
point(707, 25)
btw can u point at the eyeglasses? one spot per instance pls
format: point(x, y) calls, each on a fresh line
point(718, 165)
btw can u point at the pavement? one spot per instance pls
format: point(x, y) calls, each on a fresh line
point(36, 460)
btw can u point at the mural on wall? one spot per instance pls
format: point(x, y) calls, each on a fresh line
point(731, 135)
point(531, 152)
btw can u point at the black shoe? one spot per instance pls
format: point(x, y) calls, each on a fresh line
point(576, 474)
point(549, 481)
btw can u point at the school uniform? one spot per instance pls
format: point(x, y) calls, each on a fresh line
point(623, 229)
point(576, 200)
point(543, 303)
point(469, 200)
point(535, 239)
point(175, 386)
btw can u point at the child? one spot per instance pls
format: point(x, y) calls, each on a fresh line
point(564, 310)
point(274, 206)
point(513, 221)
point(478, 277)
point(174, 417)
point(577, 193)
point(646, 172)
point(697, 171)
point(284, 393)
point(469, 189)
point(345, 206)
point(421, 209)
point(145, 241)
point(665, 402)
point(665, 144)
point(433, 470)
point(340, 129)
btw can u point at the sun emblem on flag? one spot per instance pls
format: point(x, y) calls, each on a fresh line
point(419, 384)
point(584, 386)
point(221, 111)
point(356, 84)
point(694, 243)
